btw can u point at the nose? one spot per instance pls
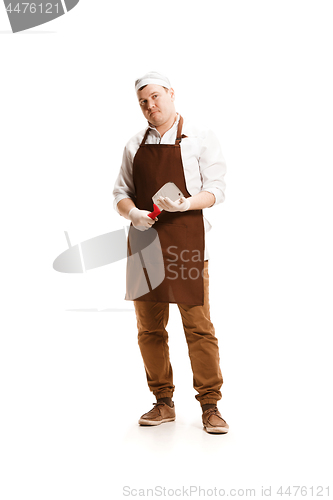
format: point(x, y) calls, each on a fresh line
point(151, 104)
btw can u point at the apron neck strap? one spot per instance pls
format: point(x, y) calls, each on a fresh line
point(179, 130)
point(145, 137)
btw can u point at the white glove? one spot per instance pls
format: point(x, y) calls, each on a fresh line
point(180, 205)
point(140, 219)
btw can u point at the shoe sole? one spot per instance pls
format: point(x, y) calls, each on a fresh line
point(216, 430)
point(156, 422)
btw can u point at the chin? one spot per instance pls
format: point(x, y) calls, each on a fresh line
point(156, 122)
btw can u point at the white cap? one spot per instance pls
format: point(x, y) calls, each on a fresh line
point(152, 77)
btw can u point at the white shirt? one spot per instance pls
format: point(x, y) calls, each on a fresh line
point(203, 162)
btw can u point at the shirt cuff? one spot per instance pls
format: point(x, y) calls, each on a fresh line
point(219, 195)
point(117, 199)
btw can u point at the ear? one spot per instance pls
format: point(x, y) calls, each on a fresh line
point(172, 94)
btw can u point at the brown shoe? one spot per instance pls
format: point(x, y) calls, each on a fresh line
point(158, 415)
point(213, 422)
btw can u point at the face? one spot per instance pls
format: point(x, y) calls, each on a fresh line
point(157, 104)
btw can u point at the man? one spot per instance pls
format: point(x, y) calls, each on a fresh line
point(173, 150)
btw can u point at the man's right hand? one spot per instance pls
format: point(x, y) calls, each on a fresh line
point(140, 219)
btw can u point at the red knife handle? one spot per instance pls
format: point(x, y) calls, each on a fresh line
point(155, 213)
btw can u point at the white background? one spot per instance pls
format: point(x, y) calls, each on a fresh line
point(259, 73)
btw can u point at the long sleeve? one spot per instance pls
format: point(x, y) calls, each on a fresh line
point(212, 167)
point(124, 186)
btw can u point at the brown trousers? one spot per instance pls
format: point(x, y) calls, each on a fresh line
point(152, 319)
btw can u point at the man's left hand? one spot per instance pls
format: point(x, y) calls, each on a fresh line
point(180, 205)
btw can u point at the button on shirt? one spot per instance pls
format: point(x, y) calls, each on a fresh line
point(203, 163)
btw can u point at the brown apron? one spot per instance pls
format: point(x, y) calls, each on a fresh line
point(181, 234)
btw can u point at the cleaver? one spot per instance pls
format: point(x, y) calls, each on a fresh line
point(171, 191)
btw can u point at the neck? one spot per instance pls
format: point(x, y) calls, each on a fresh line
point(167, 125)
